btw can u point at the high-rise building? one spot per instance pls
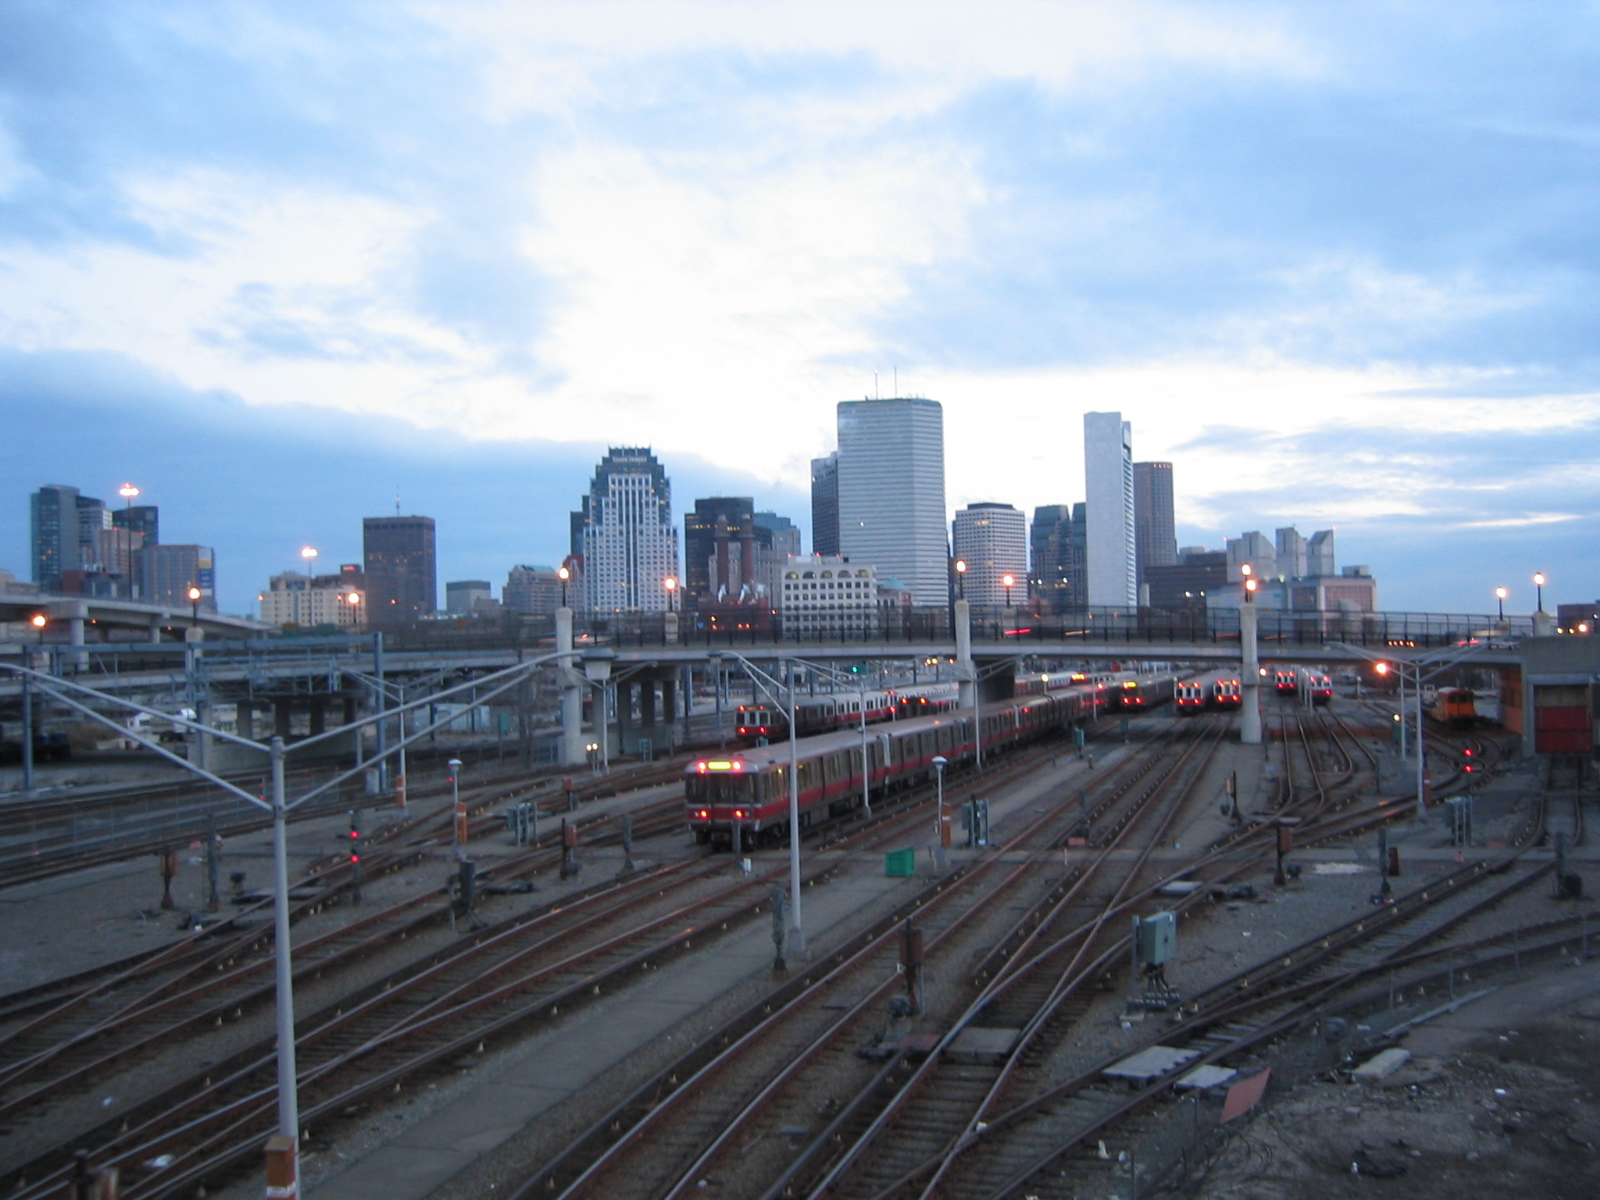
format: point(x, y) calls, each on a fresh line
point(1155, 537)
point(825, 504)
point(1108, 478)
point(144, 519)
point(891, 493)
point(167, 572)
point(719, 549)
point(630, 548)
point(1188, 585)
point(1059, 557)
point(398, 556)
point(785, 534)
point(1319, 554)
point(532, 591)
point(53, 512)
point(1252, 548)
point(93, 520)
point(993, 541)
point(1291, 553)
point(462, 595)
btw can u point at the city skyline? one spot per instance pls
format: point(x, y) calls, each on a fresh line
point(1333, 266)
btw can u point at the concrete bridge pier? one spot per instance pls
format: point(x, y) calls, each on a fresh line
point(1249, 678)
point(966, 672)
point(572, 752)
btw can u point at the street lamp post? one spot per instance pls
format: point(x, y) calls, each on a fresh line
point(563, 574)
point(961, 579)
point(127, 491)
point(671, 584)
point(456, 806)
point(194, 606)
point(1008, 581)
point(1500, 597)
point(939, 764)
point(797, 936)
point(1538, 584)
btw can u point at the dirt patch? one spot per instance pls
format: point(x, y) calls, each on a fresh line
point(1510, 1116)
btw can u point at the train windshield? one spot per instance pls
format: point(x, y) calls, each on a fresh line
point(721, 789)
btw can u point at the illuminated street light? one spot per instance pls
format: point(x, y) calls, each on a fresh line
point(1538, 583)
point(1008, 581)
point(127, 491)
point(194, 606)
point(671, 584)
point(1500, 595)
point(961, 579)
point(563, 574)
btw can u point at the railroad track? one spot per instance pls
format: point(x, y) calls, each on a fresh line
point(691, 1110)
point(1044, 1145)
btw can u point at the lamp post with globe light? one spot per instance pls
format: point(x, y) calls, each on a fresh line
point(1500, 595)
point(127, 491)
point(1538, 585)
point(671, 584)
point(1008, 581)
point(564, 574)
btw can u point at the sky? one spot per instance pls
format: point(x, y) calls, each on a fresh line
point(277, 263)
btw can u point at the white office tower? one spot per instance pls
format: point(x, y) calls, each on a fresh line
point(1252, 548)
point(1108, 486)
point(1319, 554)
point(630, 547)
point(891, 493)
point(1291, 553)
point(993, 541)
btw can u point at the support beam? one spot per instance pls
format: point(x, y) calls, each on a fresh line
point(1249, 677)
point(572, 753)
point(966, 673)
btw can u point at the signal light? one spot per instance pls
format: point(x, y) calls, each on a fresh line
point(355, 843)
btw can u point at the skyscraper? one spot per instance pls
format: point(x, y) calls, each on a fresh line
point(1108, 476)
point(143, 519)
point(1057, 542)
point(1319, 554)
point(1291, 554)
point(993, 539)
point(891, 493)
point(53, 513)
point(398, 560)
point(825, 504)
point(630, 548)
point(1155, 534)
point(719, 548)
point(167, 573)
point(1252, 548)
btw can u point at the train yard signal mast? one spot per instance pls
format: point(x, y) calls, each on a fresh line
point(282, 1150)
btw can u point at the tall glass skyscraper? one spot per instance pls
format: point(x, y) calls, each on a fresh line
point(630, 548)
point(1154, 523)
point(891, 493)
point(1108, 479)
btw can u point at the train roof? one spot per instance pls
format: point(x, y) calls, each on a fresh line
point(777, 754)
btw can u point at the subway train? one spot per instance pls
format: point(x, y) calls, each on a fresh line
point(750, 788)
point(1455, 707)
point(1213, 690)
point(842, 710)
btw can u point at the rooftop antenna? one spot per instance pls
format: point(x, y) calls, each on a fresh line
point(875, 384)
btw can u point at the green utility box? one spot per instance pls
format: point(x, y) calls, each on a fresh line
point(900, 864)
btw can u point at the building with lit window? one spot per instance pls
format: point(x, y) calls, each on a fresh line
point(630, 548)
point(402, 577)
point(891, 492)
point(1058, 547)
point(827, 594)
point(309, 601)
point(992, 539)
